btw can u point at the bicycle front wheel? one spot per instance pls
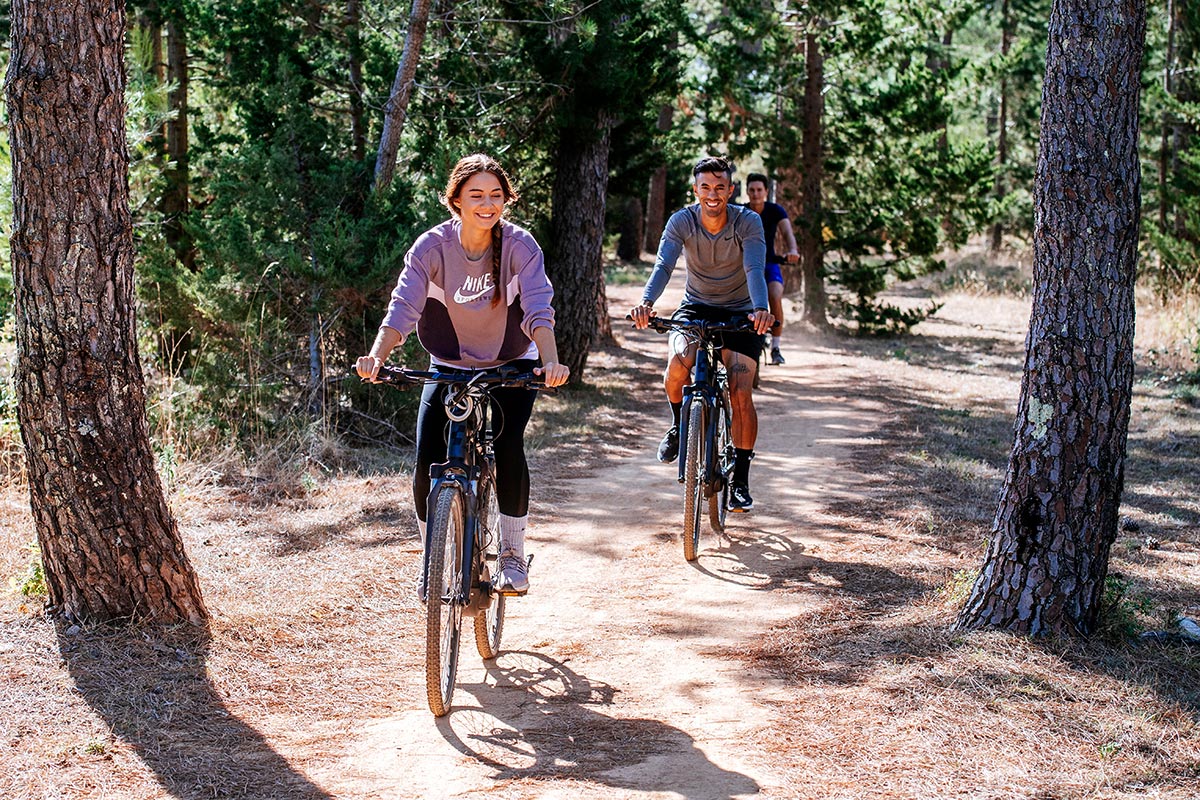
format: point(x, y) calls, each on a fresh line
point(443, 606)
point(489, 624)
point(693, 480)
point(718, 498)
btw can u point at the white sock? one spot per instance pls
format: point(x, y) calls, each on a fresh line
point(512, 534)
point(775, 341)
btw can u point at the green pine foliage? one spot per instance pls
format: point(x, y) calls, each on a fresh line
point(1171, 175)
point(1171, 161)
point(293, 257)
point(899, 184)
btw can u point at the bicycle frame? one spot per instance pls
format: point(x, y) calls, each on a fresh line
point(468, 461)
point(709, 386)
point(461, 497)
point(466, 443)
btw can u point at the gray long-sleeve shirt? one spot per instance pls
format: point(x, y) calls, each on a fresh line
point(723, 269)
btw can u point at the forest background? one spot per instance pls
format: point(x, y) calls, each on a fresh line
point(269, 228)
point(267, 242)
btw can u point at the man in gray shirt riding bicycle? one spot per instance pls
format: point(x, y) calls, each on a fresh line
point(726, 253)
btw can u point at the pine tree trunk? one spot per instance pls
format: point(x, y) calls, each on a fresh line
point(175, 194)
point(789, 194)
point(358, 130)
point(656, 196)
point(396, 110)
point(629, 244)
point(110, 547)
point(577, 238)
point(1006, 36)
point(603, 337)
point(789, 189)
point(1057, 516)
point(809, 231)
point(150, 23)
point(1164, 150)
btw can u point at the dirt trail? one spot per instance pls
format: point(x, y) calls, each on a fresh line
point(617, 678)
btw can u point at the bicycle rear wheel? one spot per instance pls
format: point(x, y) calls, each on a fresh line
point(718, 500)
point(489, 624)
point(443, 607)
point(693, 480)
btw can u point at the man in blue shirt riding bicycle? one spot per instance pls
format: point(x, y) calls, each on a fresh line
point(726, 253)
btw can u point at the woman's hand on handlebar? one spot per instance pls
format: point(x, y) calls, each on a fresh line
point(553, 373)
point(367, 368)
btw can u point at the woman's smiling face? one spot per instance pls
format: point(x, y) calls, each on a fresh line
point(481, 201)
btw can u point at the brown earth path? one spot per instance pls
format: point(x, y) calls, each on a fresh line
point(616, 679)
point(629, 673)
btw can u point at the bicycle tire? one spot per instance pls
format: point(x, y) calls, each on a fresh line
point(718, 501)
point(489, 624)
point(693, 480)
point(443, 609)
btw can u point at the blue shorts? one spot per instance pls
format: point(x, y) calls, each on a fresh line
point(774, 273)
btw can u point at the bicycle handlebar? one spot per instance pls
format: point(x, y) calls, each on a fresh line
point(699, 326)
point(499, 377)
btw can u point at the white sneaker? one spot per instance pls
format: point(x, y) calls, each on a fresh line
point(514, 574)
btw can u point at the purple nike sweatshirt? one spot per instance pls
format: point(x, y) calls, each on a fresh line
point(447, 297)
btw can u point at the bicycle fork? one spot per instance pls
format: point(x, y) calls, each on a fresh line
point(712, 476)
point(442, 475)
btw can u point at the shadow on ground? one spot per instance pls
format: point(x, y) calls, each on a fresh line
point(558, 728)
point(933, 475)
point(153, 691)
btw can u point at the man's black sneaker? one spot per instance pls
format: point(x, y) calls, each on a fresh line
point(668, 450)
point(739, 497)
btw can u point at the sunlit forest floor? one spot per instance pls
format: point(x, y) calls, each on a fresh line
point(808, 655)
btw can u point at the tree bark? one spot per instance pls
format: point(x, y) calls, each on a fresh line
point(110, 547)
point(629, 244)
point(788, 190)
point(175, 195)
point(809, 232)
point(150, 21)
point(358, 131)
point(577, 238)
point(1001, 188)
point(1164, 150)
point(656, 196)
point(395, 112)
point(1057, 517)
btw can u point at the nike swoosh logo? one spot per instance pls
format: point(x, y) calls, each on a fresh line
point(729, 238)
point(460, 298)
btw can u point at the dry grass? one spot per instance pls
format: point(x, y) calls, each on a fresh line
point(300, 550)
point(892, 703)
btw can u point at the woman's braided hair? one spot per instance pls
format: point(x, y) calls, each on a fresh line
point(467, 167)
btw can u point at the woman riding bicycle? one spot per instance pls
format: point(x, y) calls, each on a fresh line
point(475, 289)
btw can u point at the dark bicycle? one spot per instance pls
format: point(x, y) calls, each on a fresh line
point(705, 433)
point(462, 538)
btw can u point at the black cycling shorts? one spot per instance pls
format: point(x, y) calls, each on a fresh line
point(747, 343)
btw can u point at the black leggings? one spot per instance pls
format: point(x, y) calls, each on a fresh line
point(511, 408)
